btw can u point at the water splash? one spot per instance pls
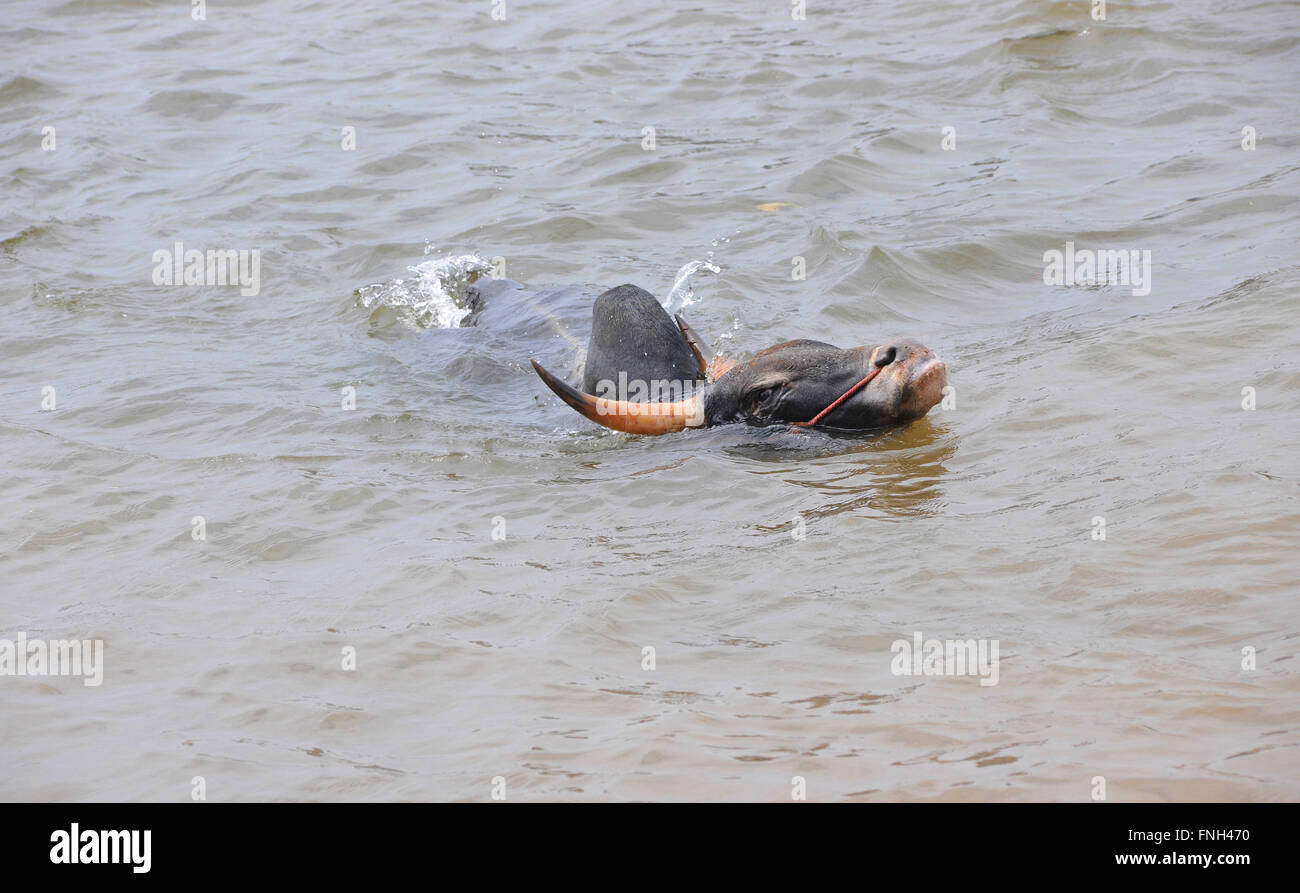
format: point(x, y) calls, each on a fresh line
point(435, 297)
point(683, 290)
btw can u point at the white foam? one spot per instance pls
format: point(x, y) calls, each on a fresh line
point(436, 295)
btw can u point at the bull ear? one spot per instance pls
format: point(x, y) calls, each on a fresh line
point(712, 366)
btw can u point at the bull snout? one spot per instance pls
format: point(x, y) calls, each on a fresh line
point(912, 378)
point(927, 376)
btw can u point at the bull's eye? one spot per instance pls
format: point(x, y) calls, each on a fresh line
point(762, 400)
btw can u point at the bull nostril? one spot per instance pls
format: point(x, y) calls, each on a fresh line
point(885, 357)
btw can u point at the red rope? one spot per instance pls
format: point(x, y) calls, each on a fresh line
point(846, 395)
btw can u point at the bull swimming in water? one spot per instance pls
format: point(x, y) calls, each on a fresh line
point(804, 383)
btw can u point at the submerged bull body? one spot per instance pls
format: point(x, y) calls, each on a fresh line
point(647, 373)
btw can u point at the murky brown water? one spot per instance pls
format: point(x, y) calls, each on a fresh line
point(522, 658)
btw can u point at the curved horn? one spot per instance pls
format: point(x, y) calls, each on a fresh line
point(633, 418)
point(712, 366)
